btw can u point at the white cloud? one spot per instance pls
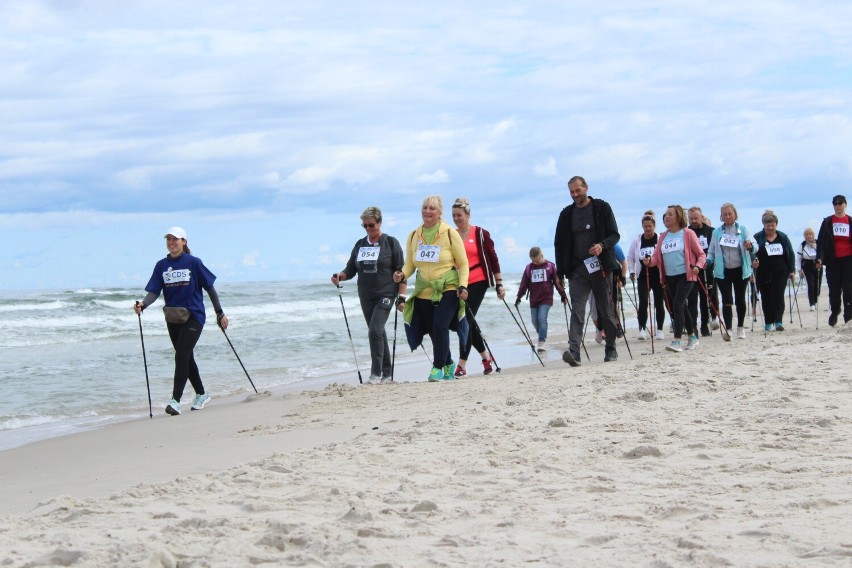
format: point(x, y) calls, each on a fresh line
point(250, 259)
point(436, 177)
point(547, 168)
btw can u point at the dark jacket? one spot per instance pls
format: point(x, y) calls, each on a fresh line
point(606, 233)
point(825, 242)
point(789, 256)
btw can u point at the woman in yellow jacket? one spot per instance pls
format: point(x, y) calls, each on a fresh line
point(436, 251)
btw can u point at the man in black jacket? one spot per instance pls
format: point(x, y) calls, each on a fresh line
point(697, 296)
point(586, 234)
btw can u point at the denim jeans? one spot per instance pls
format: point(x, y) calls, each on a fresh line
point(539, 319)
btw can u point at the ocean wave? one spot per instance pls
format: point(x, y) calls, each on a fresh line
point(13, 306)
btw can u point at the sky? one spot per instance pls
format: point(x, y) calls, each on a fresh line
point(264, 128)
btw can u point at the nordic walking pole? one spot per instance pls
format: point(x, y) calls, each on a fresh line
point(819, 289)
point(476, 325)
point(352, 343)
point(796, 301)
point(624, 323)
point(523, 324)
point(393, 354)
point(145, 361)
point(237, 356)
point(725, 334)
point(790, 299)
point(522, 331)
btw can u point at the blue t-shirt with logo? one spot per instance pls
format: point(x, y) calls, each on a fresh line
point(181, 280)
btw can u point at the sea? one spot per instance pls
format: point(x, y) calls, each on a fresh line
point(73, 360)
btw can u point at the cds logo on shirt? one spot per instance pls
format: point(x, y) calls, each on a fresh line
point(180, 277)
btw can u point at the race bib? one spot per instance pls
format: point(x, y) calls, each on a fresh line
point(774, 249)
point(428, 253)
point(367, 254)
point(593, 264)
point(177, 276)
point(702, 240)
point(646, 251)
point(732, 241)
point(841, 229)
point(538, 275)
point(671, 246)
point(810, 251)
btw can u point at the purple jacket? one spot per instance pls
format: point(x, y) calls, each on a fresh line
point(540, 279)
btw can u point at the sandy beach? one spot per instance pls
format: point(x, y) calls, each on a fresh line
point(735, 454)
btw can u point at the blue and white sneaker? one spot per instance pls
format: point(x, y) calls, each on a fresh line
point(173, 408)
point(200, 401)
point(436, 375)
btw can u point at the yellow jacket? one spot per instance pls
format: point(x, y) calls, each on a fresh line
point(452, 255)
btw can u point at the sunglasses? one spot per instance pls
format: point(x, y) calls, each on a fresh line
point(368, 225)
point(836, 203)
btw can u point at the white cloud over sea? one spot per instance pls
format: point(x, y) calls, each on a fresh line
point(265, 128)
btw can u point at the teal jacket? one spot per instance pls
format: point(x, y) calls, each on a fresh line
point(715, 251)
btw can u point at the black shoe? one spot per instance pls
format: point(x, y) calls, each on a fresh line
point(832, 320)
point(779, 327)
point(705, 331)
point(611, 355)
point(571, 357)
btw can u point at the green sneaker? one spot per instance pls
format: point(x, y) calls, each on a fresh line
point(436, 375)
point(449, 371)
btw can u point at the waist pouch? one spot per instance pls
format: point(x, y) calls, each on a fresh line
point(176, 315)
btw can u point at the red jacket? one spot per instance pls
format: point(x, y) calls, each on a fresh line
point(487, 255)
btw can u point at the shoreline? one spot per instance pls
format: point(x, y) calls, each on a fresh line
point(735, 453)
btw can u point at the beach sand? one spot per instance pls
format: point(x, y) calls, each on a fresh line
point(736, 453)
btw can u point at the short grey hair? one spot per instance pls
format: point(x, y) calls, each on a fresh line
point(372, 213)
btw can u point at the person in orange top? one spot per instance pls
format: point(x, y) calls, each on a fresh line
point(484, 272)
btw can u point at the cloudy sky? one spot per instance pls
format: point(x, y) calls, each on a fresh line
point(266, 127)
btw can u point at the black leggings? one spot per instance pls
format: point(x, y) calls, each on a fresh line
point(733, 290)
point(475, 295)
point(772, 287)
point(184, 336)
point(659, 300)
point(678, 289)
point(813, 279)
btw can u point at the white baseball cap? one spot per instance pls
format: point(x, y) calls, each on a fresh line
point(176, 232)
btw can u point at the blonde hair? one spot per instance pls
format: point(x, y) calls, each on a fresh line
point(649, 216)
point(434, 200)
point(725, 206)
point(462, 203)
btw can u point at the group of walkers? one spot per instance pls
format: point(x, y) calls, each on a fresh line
point(683, 271)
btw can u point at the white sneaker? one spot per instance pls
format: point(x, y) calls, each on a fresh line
point(813, 308)
point(387, 380)
point(714, 324)
point(541, 348)
point(692, 343)
point(598, 337)
point(374, 380)
point(200, 401)
point(643, 335)
point(660, 334)
point(740, 333)
point(675, 346)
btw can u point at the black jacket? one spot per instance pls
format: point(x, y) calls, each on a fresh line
point(825, 242)
point(606, 233)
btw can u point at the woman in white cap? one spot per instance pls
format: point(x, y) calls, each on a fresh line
point(181, 277)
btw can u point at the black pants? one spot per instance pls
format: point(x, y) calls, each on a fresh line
point(733, 289)
point(436, 318)
point(659, 300)
point(839, 277)
point(813, 280)
point(678, 289)
point(184, 336)
point(475, 295)
point(697, 298)
point(772, 286)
